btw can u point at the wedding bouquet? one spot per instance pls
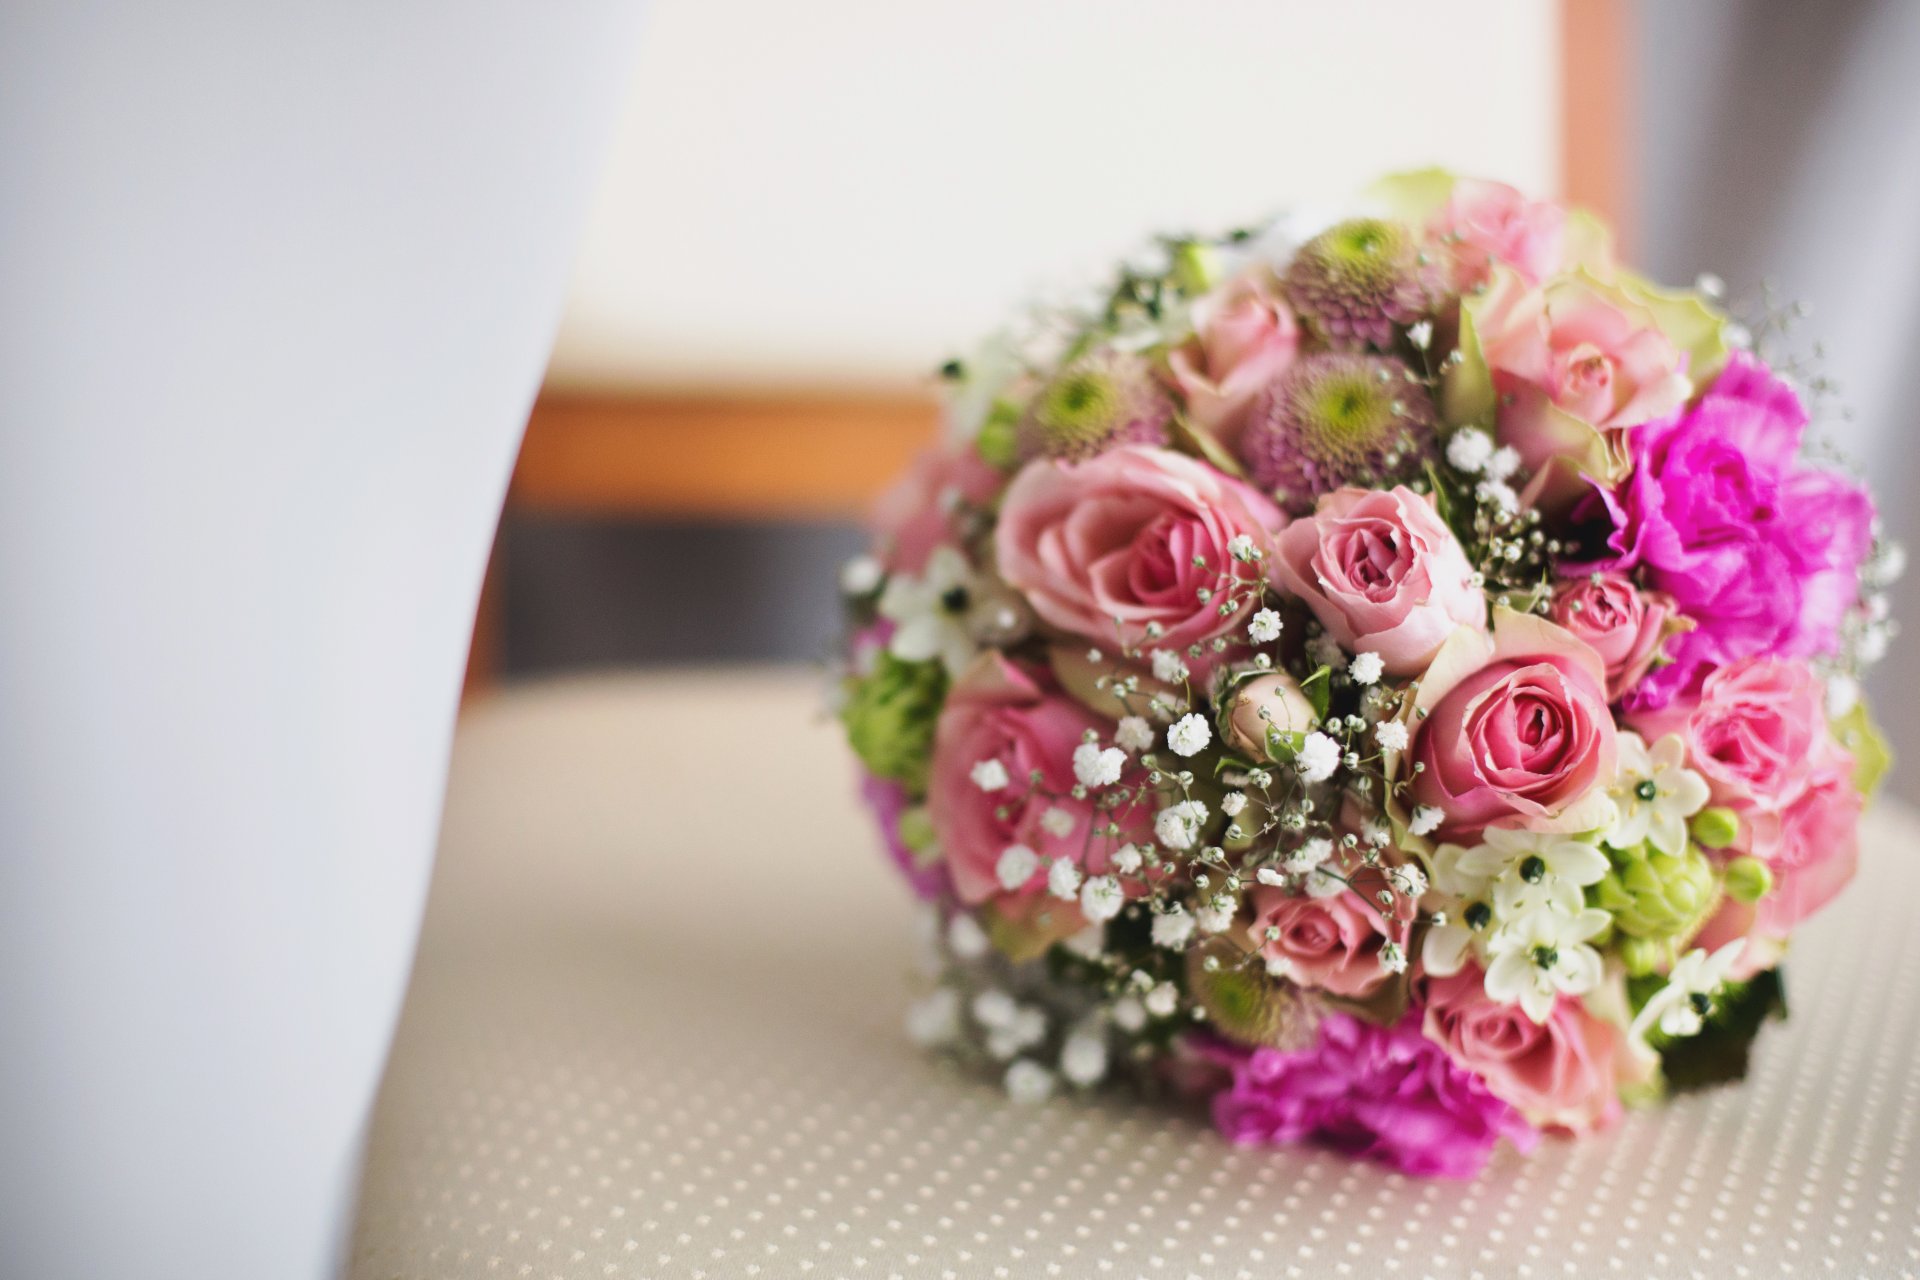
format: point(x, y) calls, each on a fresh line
point(1397, 678)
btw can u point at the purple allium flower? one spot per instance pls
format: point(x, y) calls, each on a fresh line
point(1762, 553)
point(889, 801)
point(1385, 1094)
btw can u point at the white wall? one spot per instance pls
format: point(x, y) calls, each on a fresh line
point(848, 189)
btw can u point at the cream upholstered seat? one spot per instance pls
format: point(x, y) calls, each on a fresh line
point(654, 1032)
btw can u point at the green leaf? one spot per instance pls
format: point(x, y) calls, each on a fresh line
point(1872, 757)
point(1720, 1051)
point(1466, 389)
point(1319, 690)
point(1414, 196)
point(1198, 441)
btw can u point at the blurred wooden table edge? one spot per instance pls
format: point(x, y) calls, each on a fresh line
point(758, 456)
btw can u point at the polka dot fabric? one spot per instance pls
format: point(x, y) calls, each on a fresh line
point(654, 1032)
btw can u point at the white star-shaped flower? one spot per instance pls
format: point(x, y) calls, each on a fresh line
point(930, 612)
point(1655, 794)
point(1542, 956)
point(1534, 854)
point(1680, 1008)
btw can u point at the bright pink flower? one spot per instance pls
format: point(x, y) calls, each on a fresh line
point(1623, 624)
point(916, 514)
point(1560, 1074)
point(1517, 732)
point(1485, 223)
point(1132, 536)
point(1382, 572)
point(1332, 943)
point(1001, 711)
point(1245, 336)
point(1384, 1094)
point(1760, 551)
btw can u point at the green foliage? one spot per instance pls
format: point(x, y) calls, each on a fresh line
point(1657, 900)
point(890, 715)
point(1720, 1051)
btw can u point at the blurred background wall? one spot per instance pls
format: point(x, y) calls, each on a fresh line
point(832, 198)
point(825, 201)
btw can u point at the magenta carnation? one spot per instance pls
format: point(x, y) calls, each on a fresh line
point(1760, 552)
point(1385, 1094)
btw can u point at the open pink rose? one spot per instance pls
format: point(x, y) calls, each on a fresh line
point(1517, 731)
point(1382, 572)
point(1559, 1074)
point(1244, 338)
point(1002, 712)
point(1758, 733)
point(1485, 223)
point(1570, 367)
point(1623, 624)
point(917, 513)
point(1812, 848)
point(1133, 536)
point(1332, 943)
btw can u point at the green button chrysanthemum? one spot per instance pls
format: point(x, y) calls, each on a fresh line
point(890, 714)
point(1101, 400)
point(1335, 419)
point(1354, 282)
point(1242, 1002)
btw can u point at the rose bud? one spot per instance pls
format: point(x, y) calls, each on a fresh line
point(1265, 717)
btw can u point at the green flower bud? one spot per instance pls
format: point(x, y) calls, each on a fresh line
point(1714, 827)
point(1748, 879)
point(999, 440)
point(1196, 267)
point(1657, 900)
point(890, 714)
point(915, 829)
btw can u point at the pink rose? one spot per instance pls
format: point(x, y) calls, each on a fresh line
point(1332, 942)
point(1757, 734)
point(1001, 712)
point(1486, 223)
point(1623, 624)
point(917, 513)
point(1569, 367)
point(1117, 538)
point(1244, 338)
point(1561, 1073)
point(1815, 849)
point(1517, 731)
point(1382, 572)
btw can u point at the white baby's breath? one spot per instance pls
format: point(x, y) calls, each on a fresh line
point(989, 775)
point(1134, 733)
point(1189, 735)
point(1016, 866)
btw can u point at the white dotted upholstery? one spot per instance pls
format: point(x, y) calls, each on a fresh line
point(654, 1032)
